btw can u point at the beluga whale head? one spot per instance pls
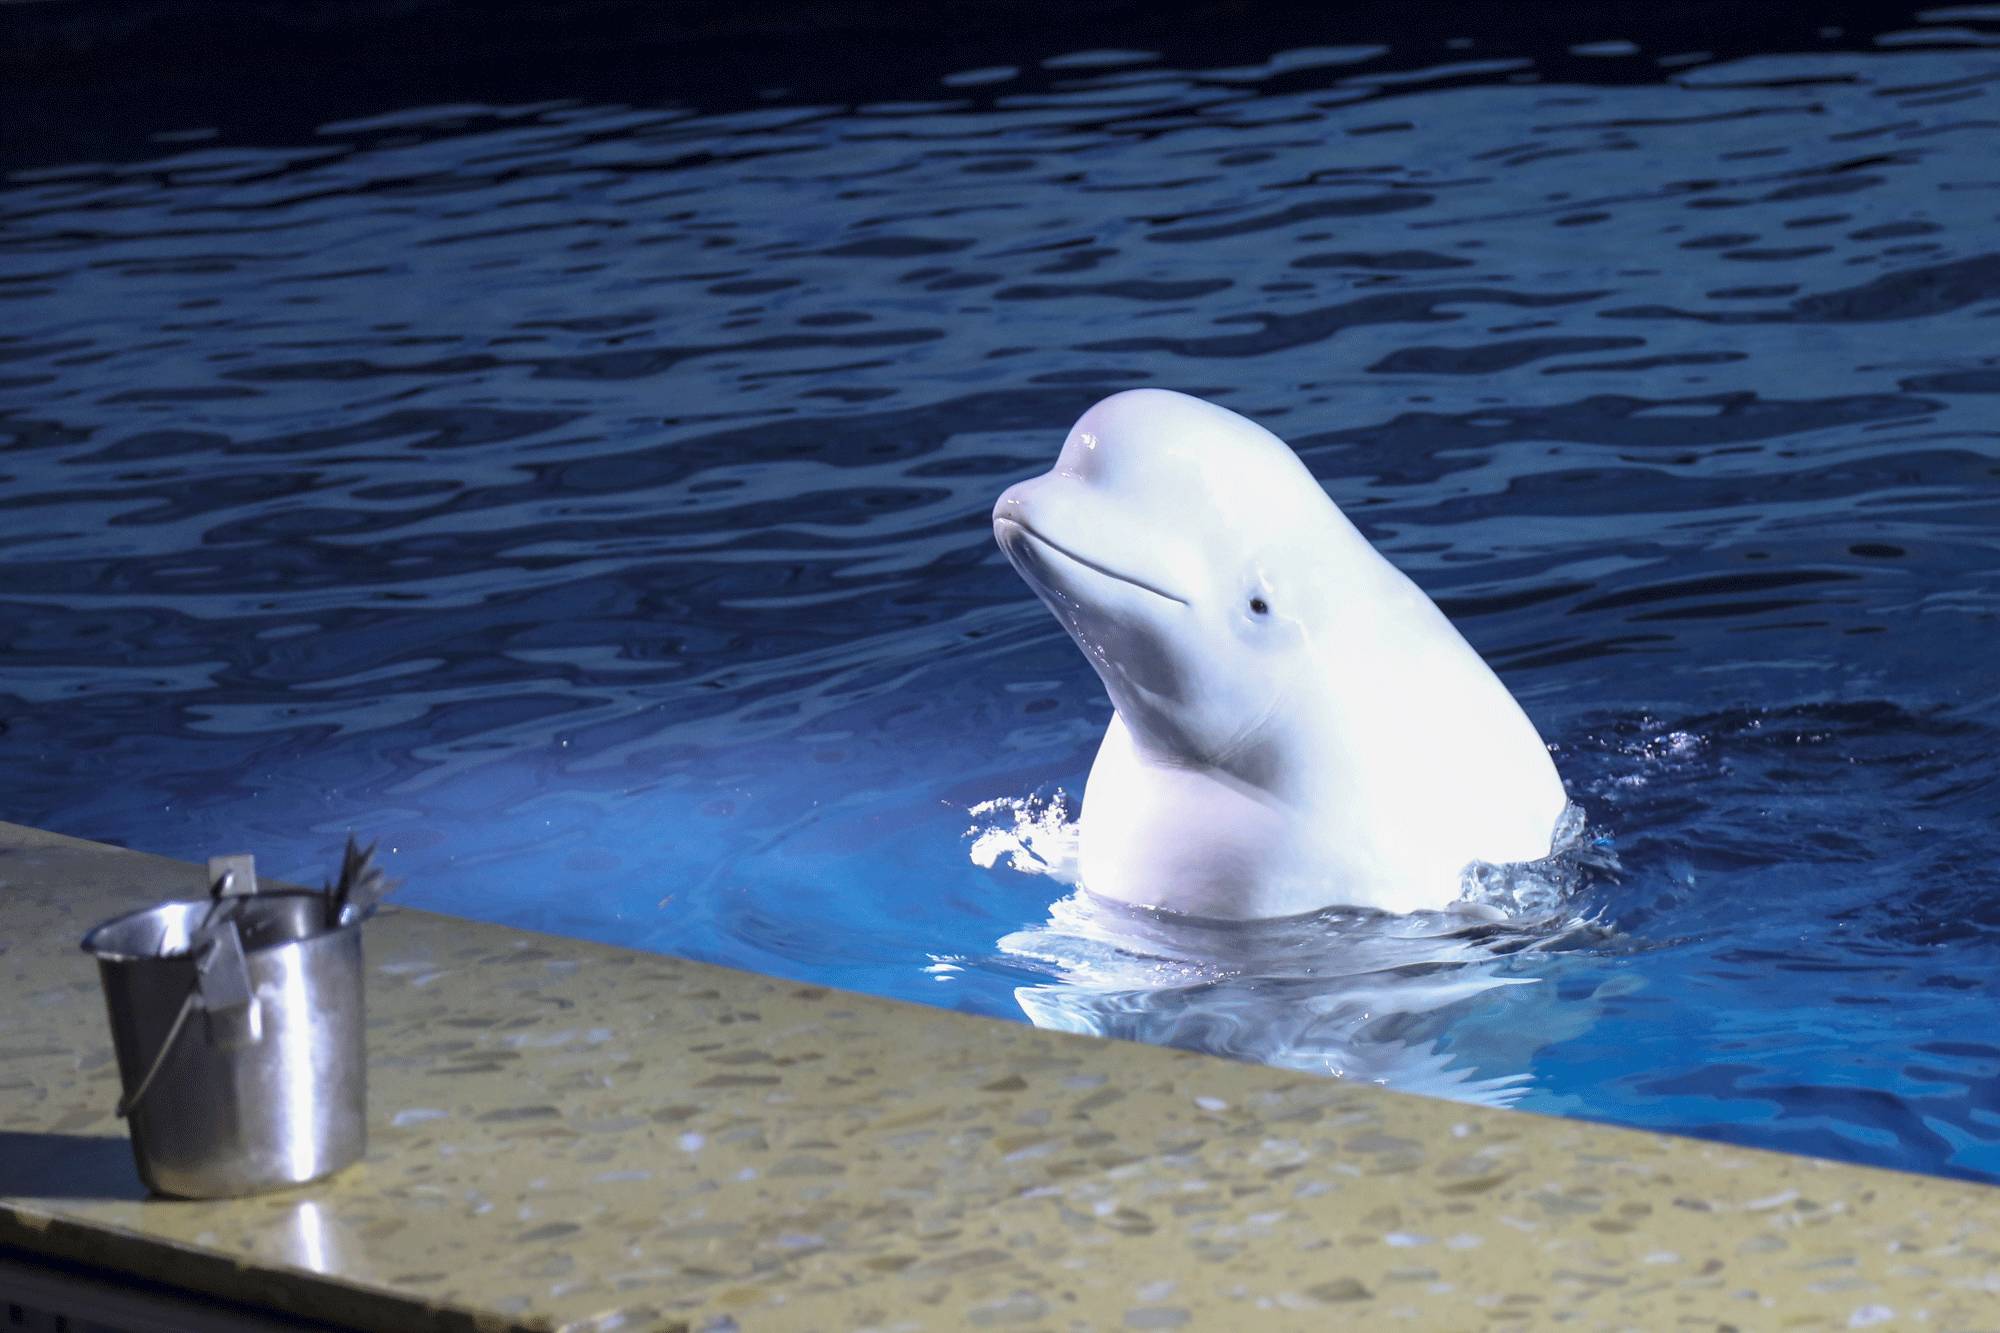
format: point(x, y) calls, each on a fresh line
point(1296, 725)
point(1163, 539)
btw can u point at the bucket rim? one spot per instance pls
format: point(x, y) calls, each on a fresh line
point(105, 955)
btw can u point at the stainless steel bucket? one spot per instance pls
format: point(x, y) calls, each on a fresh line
point(238, 1027)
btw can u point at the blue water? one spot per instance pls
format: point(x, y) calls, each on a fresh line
point(588, 499)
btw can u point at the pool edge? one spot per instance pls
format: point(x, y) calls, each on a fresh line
point(571, 1135)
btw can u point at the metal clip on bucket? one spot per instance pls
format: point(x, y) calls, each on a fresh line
point(270, 1089)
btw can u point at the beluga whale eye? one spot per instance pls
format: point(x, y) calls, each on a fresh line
point(1259, 606)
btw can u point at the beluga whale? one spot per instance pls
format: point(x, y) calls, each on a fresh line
point(1296, 725)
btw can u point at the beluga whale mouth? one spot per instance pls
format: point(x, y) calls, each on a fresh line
point(1006, 527)
point(1296, 725)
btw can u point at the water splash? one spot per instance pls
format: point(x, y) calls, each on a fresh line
point(1535, 890)
point(1032, 834)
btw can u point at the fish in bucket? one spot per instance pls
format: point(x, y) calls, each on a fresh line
point(237, 1022)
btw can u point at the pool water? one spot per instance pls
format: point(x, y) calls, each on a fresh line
point(583, 489)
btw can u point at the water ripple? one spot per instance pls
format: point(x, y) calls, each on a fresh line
point(579, 480)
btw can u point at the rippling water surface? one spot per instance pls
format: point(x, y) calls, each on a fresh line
point(589, 500)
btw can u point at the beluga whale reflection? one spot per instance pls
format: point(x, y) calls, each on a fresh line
point(1296, 726)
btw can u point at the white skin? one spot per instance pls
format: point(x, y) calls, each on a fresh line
point(1297, 725)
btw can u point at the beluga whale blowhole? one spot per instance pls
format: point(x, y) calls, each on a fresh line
point(1296, 724)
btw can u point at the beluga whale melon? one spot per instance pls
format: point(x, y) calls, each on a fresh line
point(1296, 725)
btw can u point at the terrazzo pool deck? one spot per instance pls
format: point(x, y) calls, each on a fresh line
point(570, 1136)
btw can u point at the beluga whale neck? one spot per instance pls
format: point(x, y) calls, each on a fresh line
point(1297, 725)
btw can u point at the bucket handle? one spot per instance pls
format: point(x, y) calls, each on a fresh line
point(130, 1101)
point(221, 986)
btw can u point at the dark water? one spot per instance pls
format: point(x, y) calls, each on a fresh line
point(585, 492)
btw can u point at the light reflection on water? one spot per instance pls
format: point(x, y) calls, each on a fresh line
point(589, 500)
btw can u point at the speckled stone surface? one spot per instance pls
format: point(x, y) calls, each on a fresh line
point(570, 1136)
